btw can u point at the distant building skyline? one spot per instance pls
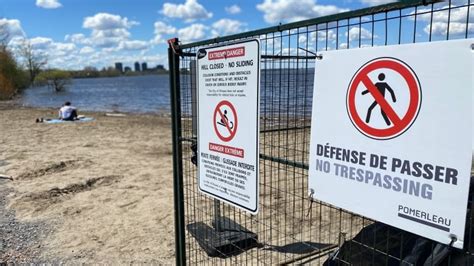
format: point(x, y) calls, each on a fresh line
point(137, 67)
point(119, 66)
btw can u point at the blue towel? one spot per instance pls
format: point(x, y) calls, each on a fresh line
point(59, 121)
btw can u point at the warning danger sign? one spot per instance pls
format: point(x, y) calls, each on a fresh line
point(228, 123)
point(372, 102)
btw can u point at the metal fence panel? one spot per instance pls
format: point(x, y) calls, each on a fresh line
point(290, 228)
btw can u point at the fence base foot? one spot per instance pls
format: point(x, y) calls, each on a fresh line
point(223, 240)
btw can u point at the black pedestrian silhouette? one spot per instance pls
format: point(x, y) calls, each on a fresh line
point(223, 123)
point(381, 86)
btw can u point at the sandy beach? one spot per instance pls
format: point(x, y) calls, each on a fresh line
point(96, 192)
point(91, 192)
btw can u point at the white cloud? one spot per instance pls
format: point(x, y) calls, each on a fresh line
point(355, 32)
point(49, 46)
point(66, 47)
point(226, 26)
point(41, 43)
point(59, 50)
point(128, 45)
point(15, 42)
point(133, 45)
point(376, 2)
point(108, 30)
point(457, 18)
point(192, 33)
point(111, 33)
point(56, 53)
point(77, 38)
point(271, 43)
point(302, 40)
point(108, 40)
point(233, 9)
point(190, 11)
point(67, 55)
point(455, 28)
point(293, 10)
point(106, 21)
point(87, 50)
point(161, 29)
point(12, 27)
point(50, 4)
point(290, 51)
point(323, 35)
point(458, 14)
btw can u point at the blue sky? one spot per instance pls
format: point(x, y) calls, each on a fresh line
point(79, 33)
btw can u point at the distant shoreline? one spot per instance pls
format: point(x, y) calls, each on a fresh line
point(16, 105)
point(130, 74)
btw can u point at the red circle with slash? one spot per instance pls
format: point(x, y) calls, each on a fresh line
point(399, 123)
point(227, 126)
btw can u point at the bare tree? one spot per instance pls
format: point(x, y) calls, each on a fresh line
point(33, 60)
point(58, 80)
point(4, 36)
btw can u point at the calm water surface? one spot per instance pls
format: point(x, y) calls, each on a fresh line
point(140, 94)
point(283, 92)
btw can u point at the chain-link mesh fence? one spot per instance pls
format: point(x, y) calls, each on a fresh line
point(291, 228)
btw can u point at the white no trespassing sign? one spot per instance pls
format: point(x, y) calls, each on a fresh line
point(391, 135)
point(228, 123)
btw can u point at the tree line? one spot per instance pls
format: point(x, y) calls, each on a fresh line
point(12, 76)
point(26, 69)
point(92, 72)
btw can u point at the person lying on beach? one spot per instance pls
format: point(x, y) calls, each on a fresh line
point(68, 112)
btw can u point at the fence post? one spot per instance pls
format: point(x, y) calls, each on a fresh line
point(173, 59)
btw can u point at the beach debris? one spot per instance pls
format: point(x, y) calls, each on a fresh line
point(6, 177)
point(115, 115)
point(54, 194)
point(53, 168)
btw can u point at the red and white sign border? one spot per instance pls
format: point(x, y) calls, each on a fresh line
point(360, 125)
point(236, 122)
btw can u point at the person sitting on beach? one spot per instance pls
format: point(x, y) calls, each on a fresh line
point(68, 112)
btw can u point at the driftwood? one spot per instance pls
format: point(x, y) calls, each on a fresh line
point(115, 115)
point(6, 177)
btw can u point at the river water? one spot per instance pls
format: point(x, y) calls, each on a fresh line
point(139, 94)
point(282, 93)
